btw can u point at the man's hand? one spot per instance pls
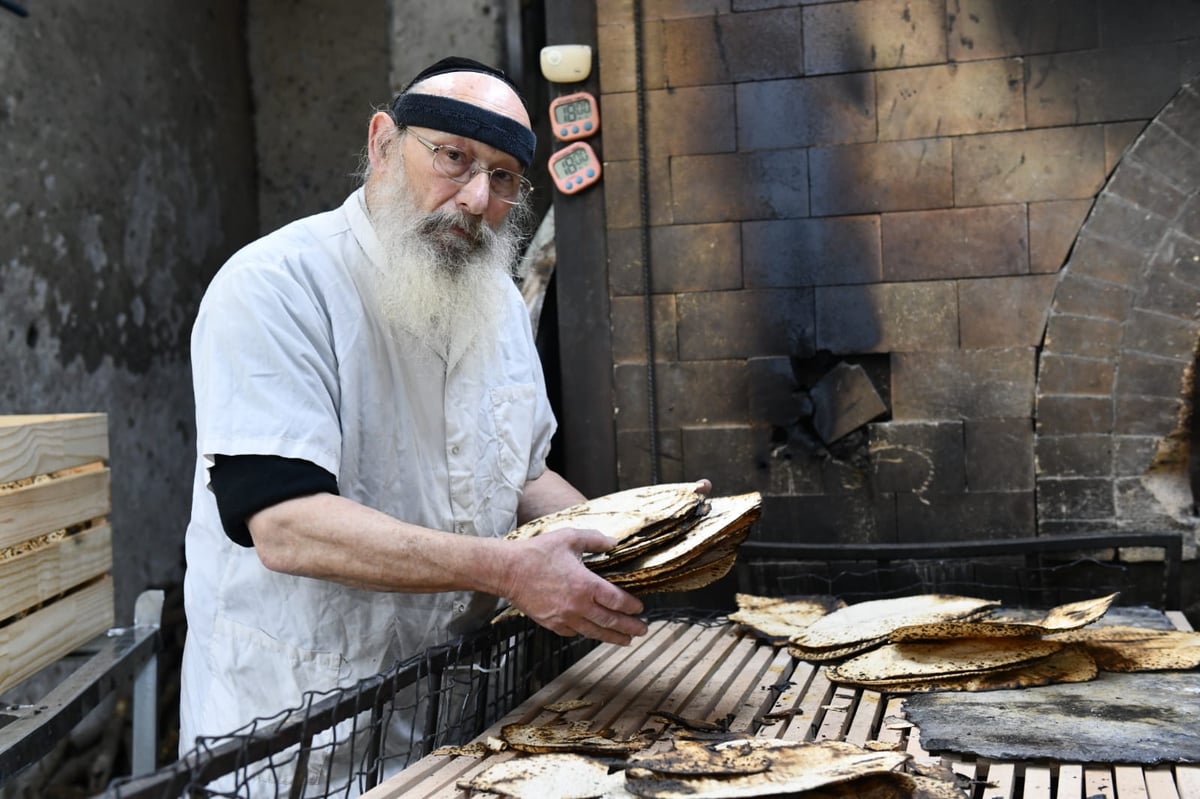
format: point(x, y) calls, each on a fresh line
point(552, 586)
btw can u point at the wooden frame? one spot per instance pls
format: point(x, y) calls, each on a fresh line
point(56, 588)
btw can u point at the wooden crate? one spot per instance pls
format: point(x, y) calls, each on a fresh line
point(56, 589)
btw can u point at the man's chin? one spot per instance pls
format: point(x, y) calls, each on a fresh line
point(458, 251)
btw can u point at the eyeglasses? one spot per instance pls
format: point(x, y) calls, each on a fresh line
point(452, 162)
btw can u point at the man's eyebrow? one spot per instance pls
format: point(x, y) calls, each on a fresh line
point(470, 147)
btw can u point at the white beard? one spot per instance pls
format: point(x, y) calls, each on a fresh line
point(442, 288)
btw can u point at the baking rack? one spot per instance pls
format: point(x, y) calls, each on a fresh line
point(452, 693)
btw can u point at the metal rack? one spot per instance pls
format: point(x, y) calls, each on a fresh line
point(1023, 572)
point(452, 693)
point(116, 659)
point(444, 695)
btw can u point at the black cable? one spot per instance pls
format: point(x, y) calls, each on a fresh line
point(644, 202)
point(13, 7)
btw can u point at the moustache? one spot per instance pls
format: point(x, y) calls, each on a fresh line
point(447, 226)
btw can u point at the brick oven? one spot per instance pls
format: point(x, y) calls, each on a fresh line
point(1115, 390)
point(917, 270)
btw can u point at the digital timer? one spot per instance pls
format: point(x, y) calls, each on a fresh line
point(574, 116)
point(574, 167)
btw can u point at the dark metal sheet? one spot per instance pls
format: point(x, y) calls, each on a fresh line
point(1144, 718)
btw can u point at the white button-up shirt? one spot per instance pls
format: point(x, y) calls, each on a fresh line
point(289, 360)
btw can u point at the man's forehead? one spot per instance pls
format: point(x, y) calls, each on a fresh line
point(476, 88)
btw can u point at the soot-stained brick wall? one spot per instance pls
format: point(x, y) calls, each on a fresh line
point(126, 178)
point(891, 190)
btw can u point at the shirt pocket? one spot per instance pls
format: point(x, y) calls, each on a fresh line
point(513, 410)
point(258, 676)
point(279, 671)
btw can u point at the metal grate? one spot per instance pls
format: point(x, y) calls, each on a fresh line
point(349, 739)
point(1144, 568)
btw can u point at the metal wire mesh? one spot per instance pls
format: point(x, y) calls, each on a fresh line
point(341, 743)
point(857, 581)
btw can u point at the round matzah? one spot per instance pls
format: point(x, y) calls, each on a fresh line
point(970, 655)
point(561, 775)
point(1077, 614)
point(877, 618)
point(778, 619)
point(795, 766)
point(621, 514)
point(1070, 664)
point(1130, 649)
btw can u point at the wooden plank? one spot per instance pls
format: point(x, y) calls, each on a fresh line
point(804, 725)
point(1001, 781)
point(40, 444)
point(1129, 782)
point(1180, 621)
point(838, 714)
point(40, 508)
point(893, 727)
point(585, 339)
point(29, 644)
point(788, 700)
point(914, 748)
point(1037, 782)
point(749, 711)
point(1098, 782)
point(866, 718)
point(683, 673)
point(721, 695)
point(969, 770)
point(666, 690)
point(1160, 783)
point(1187, 780)
point(644, 683)
point(1070, 781)
point(708, 676)
point(31, 578)
point(712, 673)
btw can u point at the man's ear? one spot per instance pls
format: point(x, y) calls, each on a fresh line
point(380, 134)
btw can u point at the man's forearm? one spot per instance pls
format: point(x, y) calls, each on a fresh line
point(328, 537)
point(332, 538)
point(549, 493)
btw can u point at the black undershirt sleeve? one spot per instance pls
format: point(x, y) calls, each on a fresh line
point(245, 484)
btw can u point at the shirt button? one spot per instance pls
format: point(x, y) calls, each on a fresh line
point(454, 450)
point(460, 607)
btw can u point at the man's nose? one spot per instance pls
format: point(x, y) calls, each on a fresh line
point(475, 194)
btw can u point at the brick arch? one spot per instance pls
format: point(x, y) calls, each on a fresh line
point(1115, 370)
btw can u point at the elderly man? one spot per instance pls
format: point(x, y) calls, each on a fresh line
point(372, 419)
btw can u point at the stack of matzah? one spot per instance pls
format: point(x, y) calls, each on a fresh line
point(936, 642)
point(669, 537)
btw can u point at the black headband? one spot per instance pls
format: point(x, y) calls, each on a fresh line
point(465, 119)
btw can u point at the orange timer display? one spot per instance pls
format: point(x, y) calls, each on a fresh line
point(574, 167)
point(574, 116)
